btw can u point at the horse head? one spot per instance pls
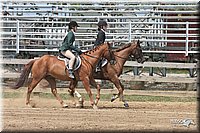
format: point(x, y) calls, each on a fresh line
point(137, 52)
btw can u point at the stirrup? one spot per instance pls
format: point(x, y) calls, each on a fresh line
point(98, 69)
point(71, 75)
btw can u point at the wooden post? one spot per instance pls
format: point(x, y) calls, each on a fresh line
point(135, 70)
point(151, 68)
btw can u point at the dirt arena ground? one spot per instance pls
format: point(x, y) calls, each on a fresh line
point(140, 116)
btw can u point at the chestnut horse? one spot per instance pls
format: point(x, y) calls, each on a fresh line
point(50, 68)
point(112, 72)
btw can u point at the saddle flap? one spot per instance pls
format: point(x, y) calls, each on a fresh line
point(77, 62)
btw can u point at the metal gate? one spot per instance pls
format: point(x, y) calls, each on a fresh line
point(39, 27)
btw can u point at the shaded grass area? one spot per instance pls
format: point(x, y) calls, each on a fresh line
point(107, 97)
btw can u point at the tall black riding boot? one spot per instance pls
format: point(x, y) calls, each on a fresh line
point(98, 66)
point(71, 74)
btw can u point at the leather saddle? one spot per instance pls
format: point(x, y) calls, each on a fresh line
point(77, 62)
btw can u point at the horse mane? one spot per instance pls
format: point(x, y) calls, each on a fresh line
point(94, 49)
point(123, 47)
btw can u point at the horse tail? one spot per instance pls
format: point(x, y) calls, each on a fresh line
point(24, 75)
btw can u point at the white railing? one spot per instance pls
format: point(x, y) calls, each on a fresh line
point(58, 33)
point(128, 20)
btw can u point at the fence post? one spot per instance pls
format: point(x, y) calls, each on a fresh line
point(186, 45)
point(135, 70)
point(129, 34)
point(17, 37)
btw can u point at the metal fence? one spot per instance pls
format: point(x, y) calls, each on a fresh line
point(41, 26)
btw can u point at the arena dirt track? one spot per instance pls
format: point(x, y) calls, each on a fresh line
point(140, 116)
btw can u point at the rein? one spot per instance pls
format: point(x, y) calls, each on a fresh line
point(87, 61)
point(91, 56)
point(100, 57)
point(126, 58)
point(119, 56)
point(95, 56)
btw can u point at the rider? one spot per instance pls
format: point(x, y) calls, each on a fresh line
point(67, 46)
point(101, 36)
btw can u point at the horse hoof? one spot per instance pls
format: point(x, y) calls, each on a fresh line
point(74, 103)
point(95, 107)
point(79, 105)
point(96, 102)
point(112, 98)
point(65, 106)
point(71, 93)
point(31, 105)
point(126, 105)
point(28, 105)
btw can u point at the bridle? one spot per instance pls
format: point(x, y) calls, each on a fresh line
point(119, 56)
point(132, 56)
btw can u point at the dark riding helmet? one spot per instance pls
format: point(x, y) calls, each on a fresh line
point(73, 24)
point(102, 23)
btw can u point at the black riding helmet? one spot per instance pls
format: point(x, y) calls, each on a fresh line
point(73, 24)
point(102, 23)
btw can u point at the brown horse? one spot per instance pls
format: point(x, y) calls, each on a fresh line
point(50, 68)
point(112, 72)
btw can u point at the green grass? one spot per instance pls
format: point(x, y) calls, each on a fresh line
point(11, 95)
point(145, 98)
point(107, 97)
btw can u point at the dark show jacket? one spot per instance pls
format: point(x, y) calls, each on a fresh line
point(101, 36)
point(67, 44)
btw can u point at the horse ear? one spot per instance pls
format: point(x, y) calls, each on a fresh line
point(109, 44)
point(138, 43)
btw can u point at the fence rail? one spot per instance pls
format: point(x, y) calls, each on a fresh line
point(177, 78)
point(56, 34)
point(40, 26)
point(174, 79)
point(128, 63)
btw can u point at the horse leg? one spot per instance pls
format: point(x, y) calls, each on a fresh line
point(31, 86)
point(74, 93)
point(88, 90)
point(118, 85)
point(120, 88)
point(52, 83)
point(98, 94)
point(97, 86)
point(80, 99)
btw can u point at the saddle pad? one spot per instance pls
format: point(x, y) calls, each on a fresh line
point(77, 62)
